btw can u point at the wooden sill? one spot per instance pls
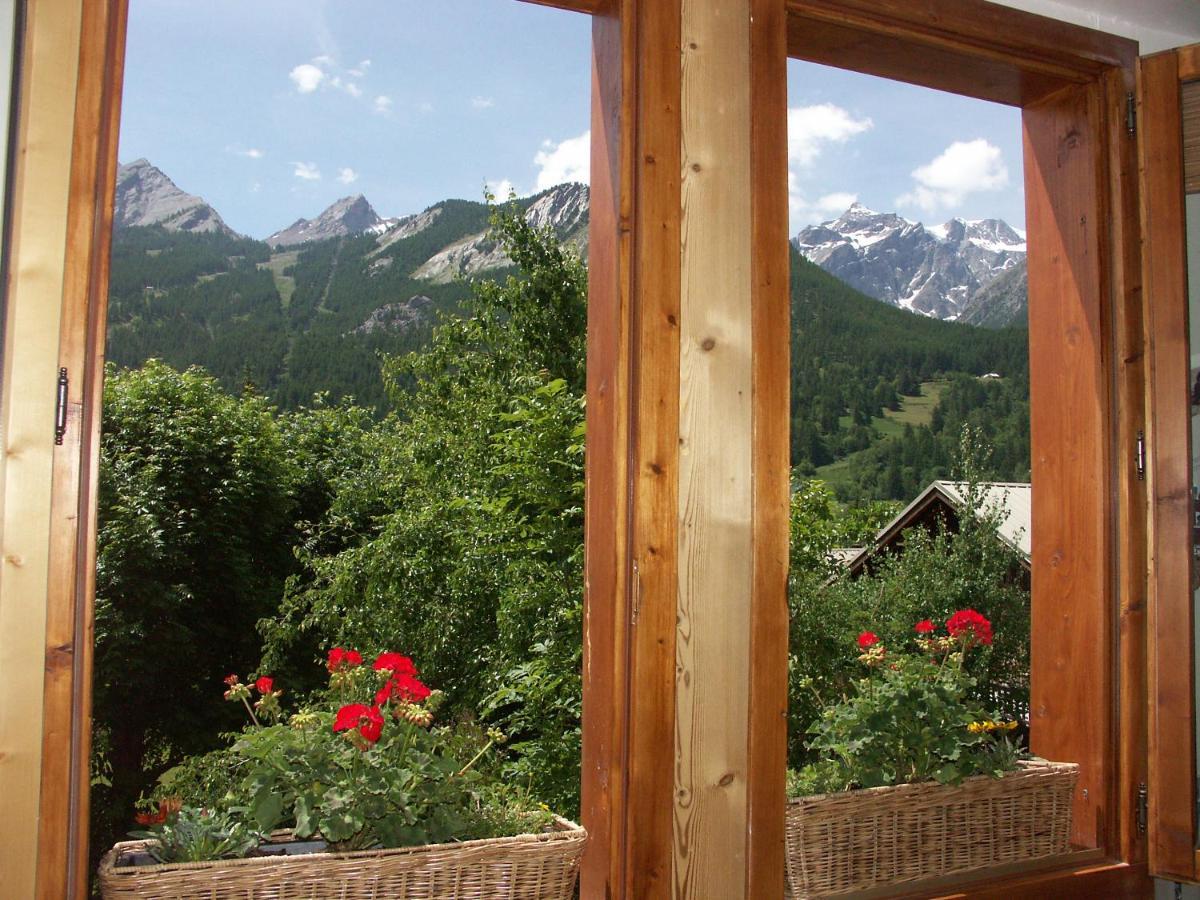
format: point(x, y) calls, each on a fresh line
point(1082, 874)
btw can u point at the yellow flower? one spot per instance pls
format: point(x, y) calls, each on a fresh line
point(977, 727)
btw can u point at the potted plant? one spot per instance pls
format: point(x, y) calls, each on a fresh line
point(358, 792)
point(914, 779)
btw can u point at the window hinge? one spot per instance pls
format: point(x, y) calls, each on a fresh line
point(1143, 808)
point(60, 407)
point(1139, 457)
point(1131, 114)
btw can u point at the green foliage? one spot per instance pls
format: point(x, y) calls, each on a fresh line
point(195, 513)
point(937, 573)
point(462, 535)
point(912, 718)
point(199, 835)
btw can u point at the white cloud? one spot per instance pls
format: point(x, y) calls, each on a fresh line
point(805, 212)
point(306, 77)
point(482, 102)
point(500, 189)
point(361, 69)
point(306, 171)
point(426, 107)
point(569, 160)
point(323, 60)
point(255, 187)
point(810, 128)
point(347, 175)
point(383, 104)
point(962, 168)
point(353, 89)
point(248, 152)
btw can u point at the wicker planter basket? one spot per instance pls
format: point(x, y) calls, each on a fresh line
point(526, 867)
point(842, 843)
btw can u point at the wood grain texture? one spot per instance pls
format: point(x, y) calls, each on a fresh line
point(40, 200)
point(1072, 629)
point(716, 535)
point(1127, 843)
point(654, 465)
point(1172, 838)
point(770, 302)
point(606, 510)
point(70, 600)
point(968, 47)
point(1189, 62)
point(1092, 880)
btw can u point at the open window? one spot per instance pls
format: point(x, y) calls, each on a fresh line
point(1169, 129)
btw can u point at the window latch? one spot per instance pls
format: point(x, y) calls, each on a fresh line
point(1140, 455)
point(1143, 808)
point(60, 407)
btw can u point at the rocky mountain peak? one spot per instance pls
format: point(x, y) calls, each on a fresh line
point(563, 207)
point(349, 215)
point(145, 196)
point(933, 270)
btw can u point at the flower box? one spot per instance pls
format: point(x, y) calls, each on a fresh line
point(856, 840)
point(525, 867)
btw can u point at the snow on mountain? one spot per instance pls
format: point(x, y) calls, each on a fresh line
point(933, 270)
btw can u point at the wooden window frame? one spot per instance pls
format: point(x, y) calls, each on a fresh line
point(1087, 386)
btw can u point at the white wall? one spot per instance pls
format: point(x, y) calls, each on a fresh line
point(1155, 24)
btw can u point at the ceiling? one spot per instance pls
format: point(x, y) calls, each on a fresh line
point(1155, 24)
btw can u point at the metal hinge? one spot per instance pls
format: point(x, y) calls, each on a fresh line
point(60, 407)
point(1139, 457)
point(1130, 114)
point(1143, 808)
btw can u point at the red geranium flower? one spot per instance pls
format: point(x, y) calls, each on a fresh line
point(867, 640)
point(340, 658)
point(925, 626)
point(367, 719)
point(403, 687)
point(264, 684)
point(231, 680)
point(396, 663)
point(972, 624)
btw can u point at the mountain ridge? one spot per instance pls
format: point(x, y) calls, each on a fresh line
point(932, 270)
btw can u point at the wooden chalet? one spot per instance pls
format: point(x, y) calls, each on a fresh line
point(941, 504)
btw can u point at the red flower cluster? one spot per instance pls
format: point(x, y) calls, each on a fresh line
point(366, 719)
point(167, 807)
point(925, 626)
point(971, 624)
point(403, 683)
point(340, 658)
point(396, 663)
point(867, 640)
point(265, 684)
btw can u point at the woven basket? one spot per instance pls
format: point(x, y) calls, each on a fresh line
point(852, 841)
point(526, 867)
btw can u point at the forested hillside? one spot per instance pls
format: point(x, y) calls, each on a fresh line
point(855, 358)
point(295, 322)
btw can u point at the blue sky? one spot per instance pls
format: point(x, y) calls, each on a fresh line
point(273, 109)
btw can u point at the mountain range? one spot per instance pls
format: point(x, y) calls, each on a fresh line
point(969, 271)
point(311, 310)
point(942, 271)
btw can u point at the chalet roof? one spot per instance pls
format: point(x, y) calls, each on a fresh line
point(1012, 497)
